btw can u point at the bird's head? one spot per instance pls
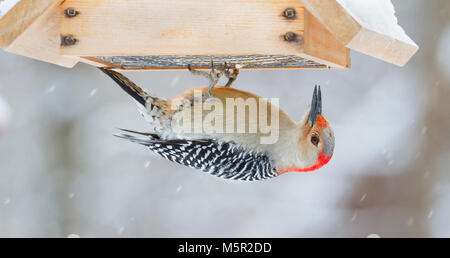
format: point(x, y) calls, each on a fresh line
point(316, 142)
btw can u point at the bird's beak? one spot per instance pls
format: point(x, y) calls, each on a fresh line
point(316, 106)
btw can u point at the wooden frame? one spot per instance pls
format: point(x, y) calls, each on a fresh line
point(198, 28)
point(36, 33)
point(170, 34)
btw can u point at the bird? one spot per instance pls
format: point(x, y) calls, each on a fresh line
point(227, 152)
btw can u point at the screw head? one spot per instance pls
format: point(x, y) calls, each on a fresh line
point(289, 13)
point(70, 12)
point(68, 40)
point(290, 36)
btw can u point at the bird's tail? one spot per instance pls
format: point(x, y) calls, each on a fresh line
point(138, 137)
point(127, 85)
point(154, 109)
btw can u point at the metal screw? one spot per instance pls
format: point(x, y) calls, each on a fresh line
point(290, 36)
point(70, 12)
point(68, 40)
point(289, 13)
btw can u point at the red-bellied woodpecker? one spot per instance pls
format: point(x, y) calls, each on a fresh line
point(249, 139)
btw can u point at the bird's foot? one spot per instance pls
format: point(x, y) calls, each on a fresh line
point(213, 76)
point(231, 73)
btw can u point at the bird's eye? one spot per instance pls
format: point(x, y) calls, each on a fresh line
point(315, 140)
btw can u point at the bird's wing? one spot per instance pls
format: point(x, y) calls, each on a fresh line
point(226, 160)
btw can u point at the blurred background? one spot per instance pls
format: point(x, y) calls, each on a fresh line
point(62, 173)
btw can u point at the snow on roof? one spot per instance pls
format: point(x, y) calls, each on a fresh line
point(376, 15)
point(6, 5)
point(368, 26)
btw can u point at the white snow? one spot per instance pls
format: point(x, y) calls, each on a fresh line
point(373, 236)
point(442, 53)
point(5, 114)
point(424, 130)
point(73, 236)
point(174, 81)
point(49, 90)
point(6, 5)
point(376, 15)
point(355, 215)
point(179, 189)
point(363, 197)
point(92, 93)
point(410, 221)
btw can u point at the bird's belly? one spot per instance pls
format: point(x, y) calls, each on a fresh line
point(234, 119)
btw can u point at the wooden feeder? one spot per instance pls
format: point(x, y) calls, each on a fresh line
point(169, 34)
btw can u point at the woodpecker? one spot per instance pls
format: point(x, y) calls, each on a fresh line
point(300, 147)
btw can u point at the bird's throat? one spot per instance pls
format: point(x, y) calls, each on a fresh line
point(322, 160)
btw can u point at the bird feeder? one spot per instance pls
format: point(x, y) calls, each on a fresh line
point(170, 34)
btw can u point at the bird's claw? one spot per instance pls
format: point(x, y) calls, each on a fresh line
point(231, 73)
point(214, 75)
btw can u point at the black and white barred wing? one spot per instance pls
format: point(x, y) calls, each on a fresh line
point(225, 160)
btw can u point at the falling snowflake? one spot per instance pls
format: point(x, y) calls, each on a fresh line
point(50, 90)
point(410, 221)
point(424, 130)
point(363, 197)
point(93, 91)
point(174, 81)
point(355, 215)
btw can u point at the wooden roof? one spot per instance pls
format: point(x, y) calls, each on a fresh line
point(368, 26)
